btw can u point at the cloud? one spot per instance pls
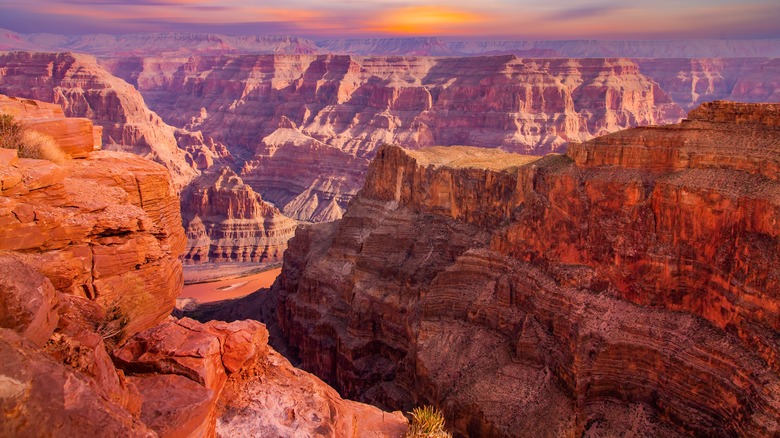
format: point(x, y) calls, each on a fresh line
point(422, 20)
point(581, 13)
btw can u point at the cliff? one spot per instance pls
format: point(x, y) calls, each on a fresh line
point(693, 81)
point(84, 89)
point(89, 255)
point(226, 221)
point(628, 287)
point(326, 115)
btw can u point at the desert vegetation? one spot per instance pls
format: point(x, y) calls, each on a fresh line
point(427, 422)
point(29, 143)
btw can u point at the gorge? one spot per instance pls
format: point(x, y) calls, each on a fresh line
point(563, 238)
point(629, 286)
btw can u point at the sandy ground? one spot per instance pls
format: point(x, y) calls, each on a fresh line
point(230, 288)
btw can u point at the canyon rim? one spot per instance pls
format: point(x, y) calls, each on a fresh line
point(529, 219)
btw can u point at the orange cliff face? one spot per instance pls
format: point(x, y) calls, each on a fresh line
point(629, 286)
point(89, 252)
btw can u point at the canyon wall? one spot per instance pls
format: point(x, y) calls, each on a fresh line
point(627, 287)
point(325, 116)
point(89, 255)
point(84, 89)
point(226, 221)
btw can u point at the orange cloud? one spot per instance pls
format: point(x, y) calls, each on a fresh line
point(422, 20)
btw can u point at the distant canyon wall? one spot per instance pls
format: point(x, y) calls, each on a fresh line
point(306, 126)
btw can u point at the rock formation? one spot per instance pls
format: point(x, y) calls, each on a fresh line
point(226, 221)
point(627, 287)
point(89, 259)
point(691, 82)
point(325, 116)
point(84, 89)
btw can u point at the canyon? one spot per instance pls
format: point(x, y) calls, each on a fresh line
point(629, 286)
point(298, 125)
point(89, 251)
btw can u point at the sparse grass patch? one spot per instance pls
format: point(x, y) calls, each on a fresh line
point(29, 143)
point(427, 422)
point(42, 146)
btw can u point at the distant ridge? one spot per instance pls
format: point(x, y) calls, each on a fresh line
point(184, 44)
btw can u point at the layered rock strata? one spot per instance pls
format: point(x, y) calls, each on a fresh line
point(226, 221)
point(84, 89)
point(89, 259)
point(326, 115)
point(628, 287)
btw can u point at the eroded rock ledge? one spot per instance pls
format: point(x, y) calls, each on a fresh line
point(629, 286)
point(89, 259)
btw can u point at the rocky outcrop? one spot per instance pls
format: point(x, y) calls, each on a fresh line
point(223, 379)
point(89, 259)
point(628, 287)
point(105, 228)
point(84, 89)
point(226, 221)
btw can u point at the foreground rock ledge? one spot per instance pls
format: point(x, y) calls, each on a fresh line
point(631, 286)
point(89, 255)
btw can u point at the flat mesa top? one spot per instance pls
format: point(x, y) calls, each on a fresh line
point(469, 157)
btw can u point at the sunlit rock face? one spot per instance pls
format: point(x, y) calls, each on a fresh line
point(89, 256)
point(308, 125)
point(84, 89)
point(629, 286)
point(226, 221)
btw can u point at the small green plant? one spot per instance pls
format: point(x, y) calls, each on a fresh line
point(112, 328)
point(427, 422)
point(10, 132)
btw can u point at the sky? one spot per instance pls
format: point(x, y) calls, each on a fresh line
point(513, 19)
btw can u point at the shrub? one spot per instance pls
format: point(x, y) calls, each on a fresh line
point(30, 144)
point(427, 422)
point(112, 328)
point(10, 132)
point(42, 146)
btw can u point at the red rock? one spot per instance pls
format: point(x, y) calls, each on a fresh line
point(28, 301)
point(181, 347)
point(107, 228)
point(176, 407)
point(227, 221)
point(75, 136)
point(43, 398)
point(628, 287)
point(261, 403)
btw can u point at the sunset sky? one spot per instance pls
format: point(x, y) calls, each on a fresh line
point(517, 19)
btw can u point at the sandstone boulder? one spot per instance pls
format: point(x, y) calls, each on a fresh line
point(40, 397)
point(28, 301)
